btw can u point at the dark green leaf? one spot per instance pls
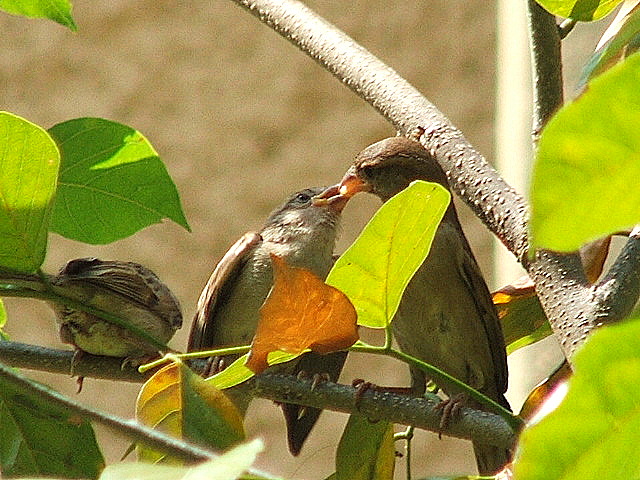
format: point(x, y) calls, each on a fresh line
point(376, 269)
point(57, 10)
point(585, 181)
point(582, 10)
point(366, 450)
point(112, 182)
point(30, 161)
point(40, 439)
point(178, 402)
point(595, 432)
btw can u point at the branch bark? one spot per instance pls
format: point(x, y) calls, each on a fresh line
point(574, 307)
point(471, 424)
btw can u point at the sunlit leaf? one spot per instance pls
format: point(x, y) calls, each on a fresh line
point(584, 11)
point(112, 182)
point(543, 390)
point(366, 450)
point(377, 268)
point(521, 315)
point(585, 179)
point(301, 312)
point(227, 466)
point(41, 439)
point(30, 161)
point(3, 321)
point(238, 372)
point(595, 431)
point(57, 10)
point(621, 39)
point(180, 403)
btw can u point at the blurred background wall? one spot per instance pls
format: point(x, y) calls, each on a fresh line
point(242, 118)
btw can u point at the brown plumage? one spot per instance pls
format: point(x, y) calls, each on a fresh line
point(446, 316)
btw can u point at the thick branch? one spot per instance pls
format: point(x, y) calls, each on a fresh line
point(420, 412)
point(546, 61)
point(486, 427)
point(406, 108)
point(573, 307)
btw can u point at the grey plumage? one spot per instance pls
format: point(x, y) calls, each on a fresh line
point(304, 235)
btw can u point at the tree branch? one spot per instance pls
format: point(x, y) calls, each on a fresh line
point(139, 433)
point(573, 306)
point(483, 426)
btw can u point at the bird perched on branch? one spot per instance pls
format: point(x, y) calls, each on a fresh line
point(446, 316)
point(126, 290)
point(304, 235)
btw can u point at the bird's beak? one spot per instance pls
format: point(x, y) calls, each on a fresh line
point(331, 197)
point(351, 184)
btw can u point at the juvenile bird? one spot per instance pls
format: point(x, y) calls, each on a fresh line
point(124, 289)
point(446, 316)
point(304, 235)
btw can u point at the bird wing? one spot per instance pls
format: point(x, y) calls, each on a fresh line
point(202, 329)
point(491, 323)
point(128, 279)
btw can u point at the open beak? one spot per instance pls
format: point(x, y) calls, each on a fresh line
point(351, 184)
point(331, 197)
point(338, 195)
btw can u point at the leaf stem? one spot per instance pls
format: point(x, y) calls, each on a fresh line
point(442, 378)
point(219, 352)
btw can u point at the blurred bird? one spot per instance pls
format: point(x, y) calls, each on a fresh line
point(304, 235)
point(124, 289)
point(446, 316)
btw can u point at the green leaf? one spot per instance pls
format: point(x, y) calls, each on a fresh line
point(586, 175)
point(112, 182)
point(522, 318)
point(57, 10)
point(366, 450)
point(41, 439)
point(582, 10)
point(623, 40)
point(30, 161)
point(376, 269)
point(237, 372)
point(180, 403)
point(3, 321)
point(595, 432)
point(209, 417)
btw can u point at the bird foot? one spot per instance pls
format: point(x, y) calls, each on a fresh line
point(450, 407)
point(77, 355)
point(214, 366)
point(363, 386)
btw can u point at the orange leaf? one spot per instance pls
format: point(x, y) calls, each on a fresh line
point(301, 312)
point(543, 390)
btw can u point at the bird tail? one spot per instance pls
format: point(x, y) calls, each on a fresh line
point(491, 459)
point(300, 420)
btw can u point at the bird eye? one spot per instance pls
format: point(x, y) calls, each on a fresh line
point(302, 197)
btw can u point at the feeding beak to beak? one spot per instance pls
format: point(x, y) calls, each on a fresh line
point(338, 195)
point(332, 198)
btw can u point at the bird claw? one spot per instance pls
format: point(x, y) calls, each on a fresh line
point(361, 387)
point(214, 366)
point(450, 408)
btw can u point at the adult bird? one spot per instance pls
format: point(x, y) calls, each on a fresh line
point(304, 235)
point(446, 316)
